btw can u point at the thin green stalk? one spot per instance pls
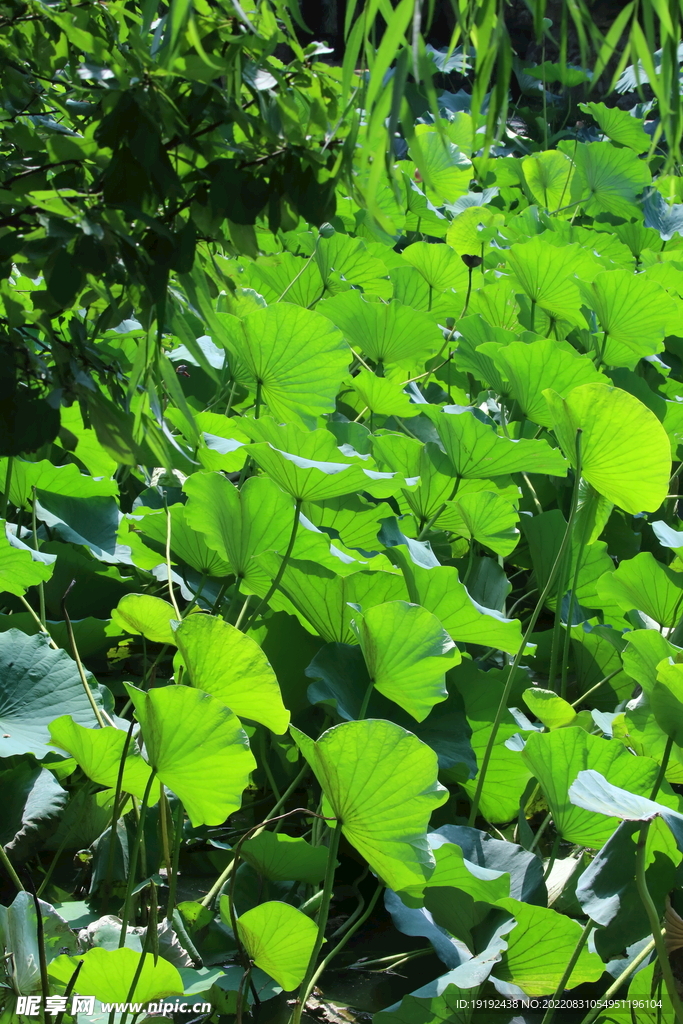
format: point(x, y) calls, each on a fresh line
point(468, 293)
point(243, 611)
point(133, 860)
point(342, 942)
point(570, 612)
point(8, 484)
point(553, 857)
point(541, 829)
point(43, 629)
point(9, 868)
point(69, 989)
point(177, 842)
point(163, 822)
point(41, 585)
point(40, 941)
point(565, 979)
point(655, 924)
point(323, 914)
point(234, 599)
point(529, 630)
point(281, 571)
point(116, 810)
point(266, 766)
point(226, 873)
point(98, 712)
point(366, 700)
point(168, 561)
point(617, 985)
point(597, 686)
point(662, 767)
point(557, 621)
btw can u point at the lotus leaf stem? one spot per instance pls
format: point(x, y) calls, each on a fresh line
point(566, 977)
point(133, 860)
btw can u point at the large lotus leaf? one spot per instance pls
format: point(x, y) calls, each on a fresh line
point(279, 939)
point(544, 534)
point(412, 289)
point(381, 782)
point(311, 479)
point(351, 517)
point(557, 757)
point(37, 685)
point(344, 261)
point(478, 452)
point(32, 800)
point(531, 368)
point(384, 332)
point(109, 974)
point(438, 264)
point(596, 649)
point(407, 652)
point(620, 126)
point(66, 480)
point(666, 700)
point(454, 875)
point(428, 462)
point(238, 524)
point(507, 774)
point(197, 747)
point(221, 660)
point(88, 449)
point(633, 312)
point(449, 170)
point(440, 591)
point(383, 396)
point(447, 1004)
point(146, 615)
point(550, 709)
point(524, 870)
point(638, 730)
point(644, 584)
point(472, 229)
point(487, 518)
point(625, 452)
point(187, 544)
point(282, 858)
point(645, 650)
point(473, 356)
point(296, 357)
point(282, 274)
point(544, 274)
point(539, 948)
point(324, 598)
point(19, 929)
point(92, 522)
point(19, 567)
point(608, 179)
point(99, 752)
point(497, 303)
point(549, 177)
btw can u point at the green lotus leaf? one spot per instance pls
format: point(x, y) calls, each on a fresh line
point(226, 663)
point(282, 857)
point(412, 460)
point(557, 757)
point(453, 869)
point(383, 396)
point(625, 452)
point(187, 545)
point(531, 368)
point(413, 290)
point(549, 178)
point(284, 275)
point(344, 261)
point(472, 229)
point(33, 801)
point(37, 685)
point(449, 170)
point(380, 781)
point(146, 615)
point(544, 534)
point(109, 975)
point(436, 1005)
point(351, 517)
point(611, 178)
point(197, 747)
point(20, 568)
point(280, 940)
point(441, 592)
point(645, 584)
point(99, 752)
point(666, 700)
point(294, 355)
point(384, 332)
point(507, 774)
point(544, 274)
point(539, 948)
point(66, 480)
point(486, 518)
point(20, 939)
point(549, 708)
point(438, 264)
point(324, 598)
point(407, 652)
point(619, 126)
point(645, 650)
point(473, 356)
point(88, 449)
point(633, 313)
point(478, 452)
point(314, 480)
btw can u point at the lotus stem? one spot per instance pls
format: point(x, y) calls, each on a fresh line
point(564, 980)
point(9, 868)
point(281, 571)
point(133, 861)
